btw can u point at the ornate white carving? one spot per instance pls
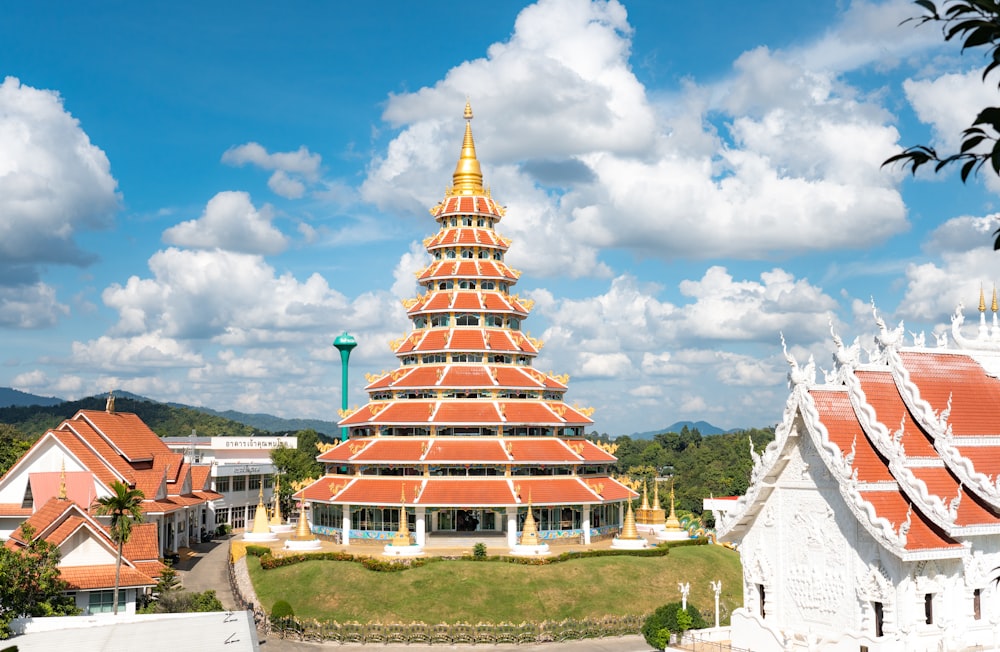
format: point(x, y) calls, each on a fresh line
point(941, 339)
point(981, 343)
point(873, 584)
point(918, 339)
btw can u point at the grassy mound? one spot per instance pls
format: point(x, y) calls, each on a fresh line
point(469, 591)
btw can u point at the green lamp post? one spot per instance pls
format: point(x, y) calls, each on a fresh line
point(345, 344)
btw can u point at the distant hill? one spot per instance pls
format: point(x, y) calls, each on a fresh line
point(14, 397)
point(704, 427)
point(16, 408)
point(276, 424)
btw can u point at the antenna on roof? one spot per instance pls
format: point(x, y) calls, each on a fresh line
point(109, 407)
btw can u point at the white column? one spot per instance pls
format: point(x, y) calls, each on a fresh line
point(346, 525)
point(586, 525)
point(421, 513)
point(512, 526)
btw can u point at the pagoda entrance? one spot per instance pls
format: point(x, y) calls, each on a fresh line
point(467, 520)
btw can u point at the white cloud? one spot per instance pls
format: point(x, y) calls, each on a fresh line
point(54, 183)
point(292, 170)
point(405, 274)
point(798, 151)
point(136, 353)
point(29, 306)
point(230, 221)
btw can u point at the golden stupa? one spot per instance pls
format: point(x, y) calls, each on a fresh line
point(402, 536)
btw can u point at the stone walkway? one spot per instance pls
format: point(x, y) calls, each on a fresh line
point(207, 568)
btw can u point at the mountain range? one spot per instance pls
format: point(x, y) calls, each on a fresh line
point(270, 423)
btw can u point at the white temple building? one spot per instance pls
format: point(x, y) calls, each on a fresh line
point(872, 521)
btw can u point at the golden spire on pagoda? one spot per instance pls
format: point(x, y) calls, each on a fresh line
point(673, 524)
point(276, 512)
point(260, 516)
point(468, 177)
point(529, 535)
point(302, 532)
point(656, 513)
point(982, 300)
point(994, 306)
point(402, 536)
point(629, 530)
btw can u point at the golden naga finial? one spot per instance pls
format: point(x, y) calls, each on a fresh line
point(982, 300)
point(468, 177)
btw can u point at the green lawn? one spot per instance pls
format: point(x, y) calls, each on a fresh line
point(467, 591)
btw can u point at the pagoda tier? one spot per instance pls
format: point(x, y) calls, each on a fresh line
point(465, 430)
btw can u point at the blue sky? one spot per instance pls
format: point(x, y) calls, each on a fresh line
point(194, 201)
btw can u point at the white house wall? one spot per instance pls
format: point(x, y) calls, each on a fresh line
point(82, 549)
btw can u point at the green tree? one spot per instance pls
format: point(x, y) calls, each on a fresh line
point(124, 506)
point(13, 444)
point(670, 618)
point(976, 24)
point(30, 584)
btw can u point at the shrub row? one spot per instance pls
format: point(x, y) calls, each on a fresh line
point(269, 561)
point(457, 633)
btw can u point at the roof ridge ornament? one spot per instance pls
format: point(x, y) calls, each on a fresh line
point(798, 375)
point(984, 341)
point(886, 340)
point(468, 176)
point(846, 358)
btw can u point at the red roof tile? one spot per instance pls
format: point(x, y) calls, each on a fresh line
point(379, 491)
point(446, 449)
point(126, 432)
point(941, 483)
point(591, 452)
point(103, 577)
point(465, 491)
point(554, 491)
point(467, 377)
point(973, 393)
point(882, 394)
point(392, 450)
point(466, 412)
point(464, 339)
point(529, 412)
point(837, 414)
point(893, 506)
point(544, 451)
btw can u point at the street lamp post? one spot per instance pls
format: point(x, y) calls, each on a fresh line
point(345, 344)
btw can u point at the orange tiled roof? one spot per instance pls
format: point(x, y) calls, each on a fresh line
point(529, 412)
point(941, 483)
point(95, 453)
point(467, 339)
point(14, 509)
point(554, 491)
point(43, 518)
point(391, 450)
point(923, 535)
point(126, 432)
point(472, 411)
point(973, 393)
point(481, 449)
point(89, 578)
point(591, 452)
point(837, 414)
point(151, 484)
point(201, 477)
point(467, 377)
point(143, 544)
point(379, 491)
point(611, 490)
point(466, 491)
point(542, 451)
point(882, 394)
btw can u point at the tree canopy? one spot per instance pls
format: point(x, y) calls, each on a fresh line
point(976, 24)
point(30, 584)
point(124, 506)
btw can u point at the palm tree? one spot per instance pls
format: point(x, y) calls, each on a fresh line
point(124, 508)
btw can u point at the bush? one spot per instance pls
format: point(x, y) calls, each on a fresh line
point(258, 551)
point(281, 609)
point(479, 551)
point(670, 618)
point(173, 602)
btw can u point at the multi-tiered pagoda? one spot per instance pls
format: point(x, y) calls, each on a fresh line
point(466, 432)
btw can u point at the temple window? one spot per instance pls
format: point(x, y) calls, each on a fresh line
point(487, 285)
point(514, 324)
point(466, 252)
point(437, 254)
point(466, 284)
point(451, 253)
point(879, 618)
point(481, 222)
point(483, 254)
point(445, 285)
point(497, 255)
point(504, 287)
point(467, 220)
point(435, 358)
point(454, 221)
point(494, 320)
point(761, 597)
point(420, 322)
point(440, 320)
point(501, 358)
point(977, 604)
point(467, 319)
point(929, 608)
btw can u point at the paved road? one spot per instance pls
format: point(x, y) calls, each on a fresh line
point(207, 569)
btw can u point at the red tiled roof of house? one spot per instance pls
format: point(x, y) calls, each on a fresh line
point(151, 484)
point(14, 509)
point(201, 476)
point(143, 545)
point(941, 483)
point(79, 486)
point(95, 453)
point(126, 432)
point(89, 578)
point(43, 518)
